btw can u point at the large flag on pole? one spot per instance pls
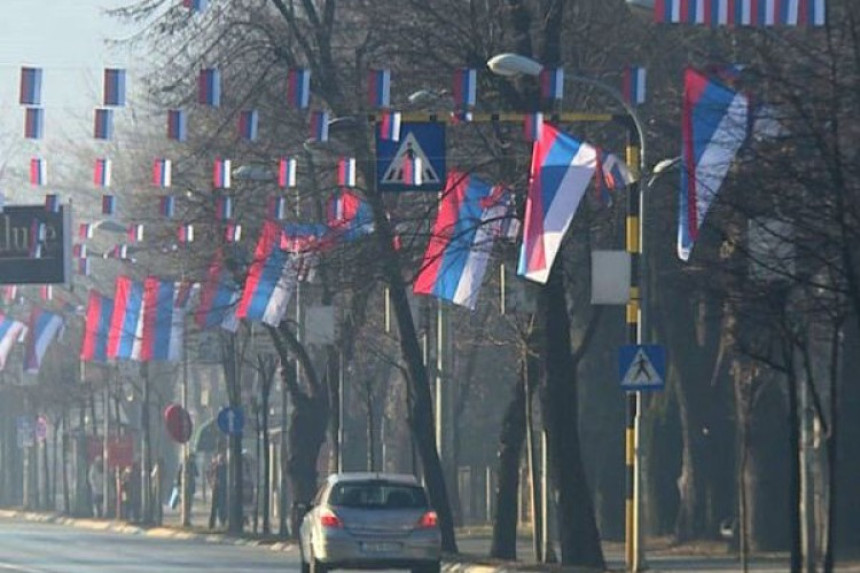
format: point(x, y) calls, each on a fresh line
point(271, 280)
point(162, 321)
point(466, 226)
point(218, 298)
point(44, 328)
point(96, 328)
point(714, 126)
point(11, 331)
point(126, 325)
point(561, 170)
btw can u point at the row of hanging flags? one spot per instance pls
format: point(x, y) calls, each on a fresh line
point(298, 96)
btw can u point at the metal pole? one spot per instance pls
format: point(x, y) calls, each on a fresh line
point(340, 413)
point(185, 510)
point(105, 450)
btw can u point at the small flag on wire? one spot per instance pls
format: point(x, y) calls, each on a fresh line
point(233, 233)
point(346, 172)
point(465, 87)
point(167, 206)
point(221, 174)
point(185, 233)
point(248, 123)
point(85, 231)
point(633, 85)
point(10, 293)
point(84, 267)
point(52, 203)
point(389, 125)
point(46, 292)
point(38, 172)
point(31, 86)
point(103, 123)
point(161, 173)
point(299, 87)
point(196, 5)
point(209, 87)
point(177, 125)
point(277, 208)
point(319, 126)
point(108, 204)
point(79, 251)
point(34, 123)
point(287, 172)
point(114, 87)
point(533, 126)
point(117, 252)
point(101, 172)
point(552, 84)
point(224, 208)
point(379, 88)
point(135, 232)
point(742, 13)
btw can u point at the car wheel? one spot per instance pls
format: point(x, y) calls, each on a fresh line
point(433, 567)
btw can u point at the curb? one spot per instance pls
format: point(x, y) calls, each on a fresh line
point(450, 563)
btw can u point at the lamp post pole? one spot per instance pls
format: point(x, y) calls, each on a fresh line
point(513, 64)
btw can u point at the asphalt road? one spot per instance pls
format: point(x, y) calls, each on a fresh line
point(28, 547)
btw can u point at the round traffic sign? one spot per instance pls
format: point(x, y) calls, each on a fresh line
point(231, 421)
point(178, 423)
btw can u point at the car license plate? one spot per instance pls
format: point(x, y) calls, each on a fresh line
point(379, 547)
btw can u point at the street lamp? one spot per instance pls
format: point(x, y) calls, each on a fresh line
point(509, 65)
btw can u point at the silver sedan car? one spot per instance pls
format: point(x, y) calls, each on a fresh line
point(370, 521)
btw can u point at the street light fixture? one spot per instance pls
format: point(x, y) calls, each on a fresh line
point(509, 65)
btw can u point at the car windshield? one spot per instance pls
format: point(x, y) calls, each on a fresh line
point(378, 495)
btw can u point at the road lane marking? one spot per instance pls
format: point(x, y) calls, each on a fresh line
point(20, 568)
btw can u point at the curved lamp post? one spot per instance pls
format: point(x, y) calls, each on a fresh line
point(509, 65)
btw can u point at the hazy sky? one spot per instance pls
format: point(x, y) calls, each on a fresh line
point(66, 38)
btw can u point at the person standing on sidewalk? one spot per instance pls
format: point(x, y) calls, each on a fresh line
point(218, 480)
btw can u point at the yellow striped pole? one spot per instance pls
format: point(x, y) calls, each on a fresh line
point(634, 336)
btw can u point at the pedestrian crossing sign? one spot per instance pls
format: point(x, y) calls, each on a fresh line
point(424, 141)
point(642, 367)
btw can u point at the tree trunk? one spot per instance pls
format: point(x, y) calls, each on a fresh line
point(580, 540)
point(267, 460)
point(307, 434)
point(504, 542)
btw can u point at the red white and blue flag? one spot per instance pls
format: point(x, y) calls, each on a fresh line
point(249, 120)
point(346, 172)
point(46, 292)
point(465, 88)
point(224, 208)
point(633, 85)
point(167, 206)
point(221, 174)
point(34, 123)
point(532, 126)
point(177, 125)
point(52, 203)
point(462, 238)
point(196, 5)
point(85, 230)
point(97, 324)
point(185, 233)
point(348, 216)
point(271, 280)
point(757, 13)
point(38, 172)
point(277, 207)
point(162, 318)
point(209, 87)
point(108, 204)
point(43, 328)
point(162, 171)
point(103, 124)
point(135, 232)
point(218, 298)
point(319, 126)
point(552, 84)
point(232, 232)
point(561, 170)
point(11, 331)
point(102, 172)
point(299, 87)
point(379, 88)
point(714, 126)
point(611, 174)
point(389, 125)
point(286, 172)
point(31, 87)
point(114, 87)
